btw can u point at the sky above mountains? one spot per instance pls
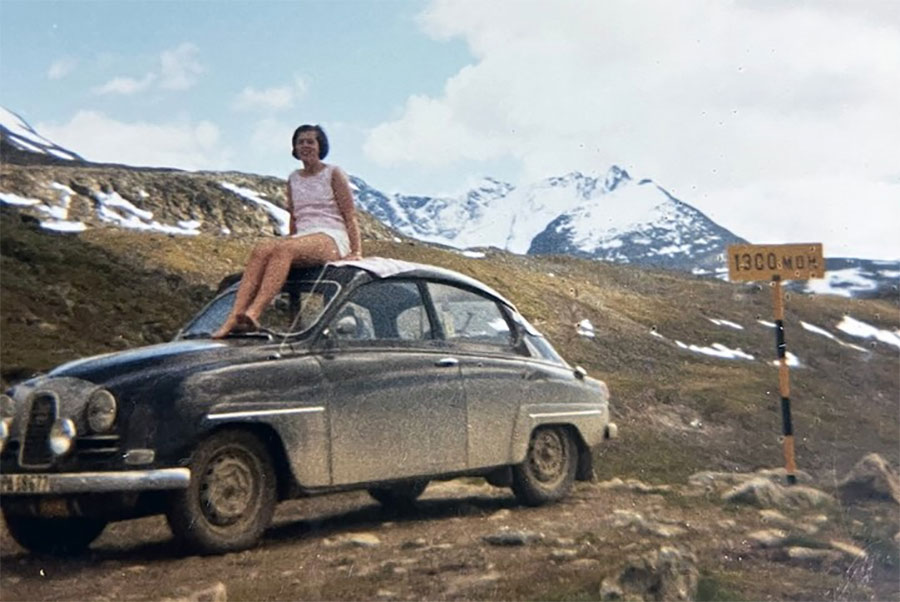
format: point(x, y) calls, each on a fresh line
point(776, 119)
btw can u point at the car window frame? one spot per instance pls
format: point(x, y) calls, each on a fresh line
point(431, 343)
point(512, 347)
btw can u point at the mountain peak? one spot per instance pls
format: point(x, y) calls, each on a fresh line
point(615, 176)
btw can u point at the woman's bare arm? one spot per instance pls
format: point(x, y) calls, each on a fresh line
point(290, 207)
point(343, 196)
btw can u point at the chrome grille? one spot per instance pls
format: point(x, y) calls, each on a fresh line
point(35, 451)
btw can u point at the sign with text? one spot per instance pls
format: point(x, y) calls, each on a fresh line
point(800, 261)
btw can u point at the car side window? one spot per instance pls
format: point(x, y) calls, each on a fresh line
point(383, 310)
point(466, 316)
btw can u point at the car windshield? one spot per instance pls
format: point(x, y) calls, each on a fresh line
point(294, 310)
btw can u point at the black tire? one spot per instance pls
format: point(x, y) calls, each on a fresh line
point(231, 497)
point(56, 536)
point(401, 495)
point(548, 472)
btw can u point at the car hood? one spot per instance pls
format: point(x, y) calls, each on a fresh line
point(110, 365)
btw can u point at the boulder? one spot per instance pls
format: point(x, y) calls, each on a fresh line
point(764, 493)
point(871, 478)
point(669, 573)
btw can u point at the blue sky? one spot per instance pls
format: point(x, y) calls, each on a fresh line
point(777, 119)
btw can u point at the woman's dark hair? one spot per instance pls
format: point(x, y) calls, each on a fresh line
point(320, 136)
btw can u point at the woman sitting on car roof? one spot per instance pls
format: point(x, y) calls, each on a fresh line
point(323, 228)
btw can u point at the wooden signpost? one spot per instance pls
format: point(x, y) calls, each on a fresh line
point(777, 263)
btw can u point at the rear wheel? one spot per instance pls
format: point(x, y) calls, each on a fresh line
point(401, 495)
point(548, 472)
point(231, 497)
point(58, 536)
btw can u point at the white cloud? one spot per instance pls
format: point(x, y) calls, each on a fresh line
point(60, 68)
point(714, 100)
point(125, 85)
point(179, 69)
point(180, 143)
point(271, 137)
point(275, 98)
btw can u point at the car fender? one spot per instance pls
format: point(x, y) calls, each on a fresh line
point(288, 400)
point(588, 419)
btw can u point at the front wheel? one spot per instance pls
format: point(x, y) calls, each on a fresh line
point(548, 472)
point(231, 497)
point(57, 536)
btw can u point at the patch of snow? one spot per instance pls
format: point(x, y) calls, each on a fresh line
point(112, 200)
point(699, 271)
point(585, 329)
point(792, 360)
point(63, 226)
point(655, 333)
point(717, 350)
point(767, 324)
point(842, 283)
point(13, 199)
point(862, 330)
point(225, 231)
point(473, 254)
point(60, 153)
point(280, 215)
point(397, 239)
point(726, 323)
point(189, 224)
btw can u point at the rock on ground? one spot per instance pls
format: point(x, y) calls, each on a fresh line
point(872, 477)
point(764, 493)
point(669, 573)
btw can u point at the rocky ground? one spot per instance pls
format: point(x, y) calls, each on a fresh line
point(719, 536)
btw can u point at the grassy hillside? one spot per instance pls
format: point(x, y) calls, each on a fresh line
point(63, 296)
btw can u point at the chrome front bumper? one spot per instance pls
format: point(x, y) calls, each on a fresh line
point(94, 482)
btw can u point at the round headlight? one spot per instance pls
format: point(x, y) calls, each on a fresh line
point(5, 423)
point(7, 406)
point(101, 411)
point(62, 434)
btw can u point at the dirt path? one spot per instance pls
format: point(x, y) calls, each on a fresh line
point(464, 540)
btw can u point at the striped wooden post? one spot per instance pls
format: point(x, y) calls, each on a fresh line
point(784, 383)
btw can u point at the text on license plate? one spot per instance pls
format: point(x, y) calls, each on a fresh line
point(24, 483)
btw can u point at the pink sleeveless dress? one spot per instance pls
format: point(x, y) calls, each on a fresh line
point(314, 209)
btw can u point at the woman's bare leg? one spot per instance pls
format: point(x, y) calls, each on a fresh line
point(250, 281)
point(313, 249)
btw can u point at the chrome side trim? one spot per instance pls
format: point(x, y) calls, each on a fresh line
point(561, 414)
point(258, 413)
point(96, 482)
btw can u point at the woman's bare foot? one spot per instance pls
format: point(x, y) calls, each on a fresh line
point(246, 323)
point(225, 329)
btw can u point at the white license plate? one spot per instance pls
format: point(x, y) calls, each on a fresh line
point(24, 483)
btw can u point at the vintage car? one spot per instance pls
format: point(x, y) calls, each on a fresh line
point(374, 374)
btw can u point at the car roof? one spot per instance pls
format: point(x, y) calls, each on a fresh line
point(345, 271)
point(385, 267)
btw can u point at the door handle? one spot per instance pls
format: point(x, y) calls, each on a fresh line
point(447, 362)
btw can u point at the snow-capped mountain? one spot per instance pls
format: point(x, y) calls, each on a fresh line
point(613, 218)
point(17, 137)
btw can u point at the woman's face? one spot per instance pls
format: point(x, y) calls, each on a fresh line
point(307, 147)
